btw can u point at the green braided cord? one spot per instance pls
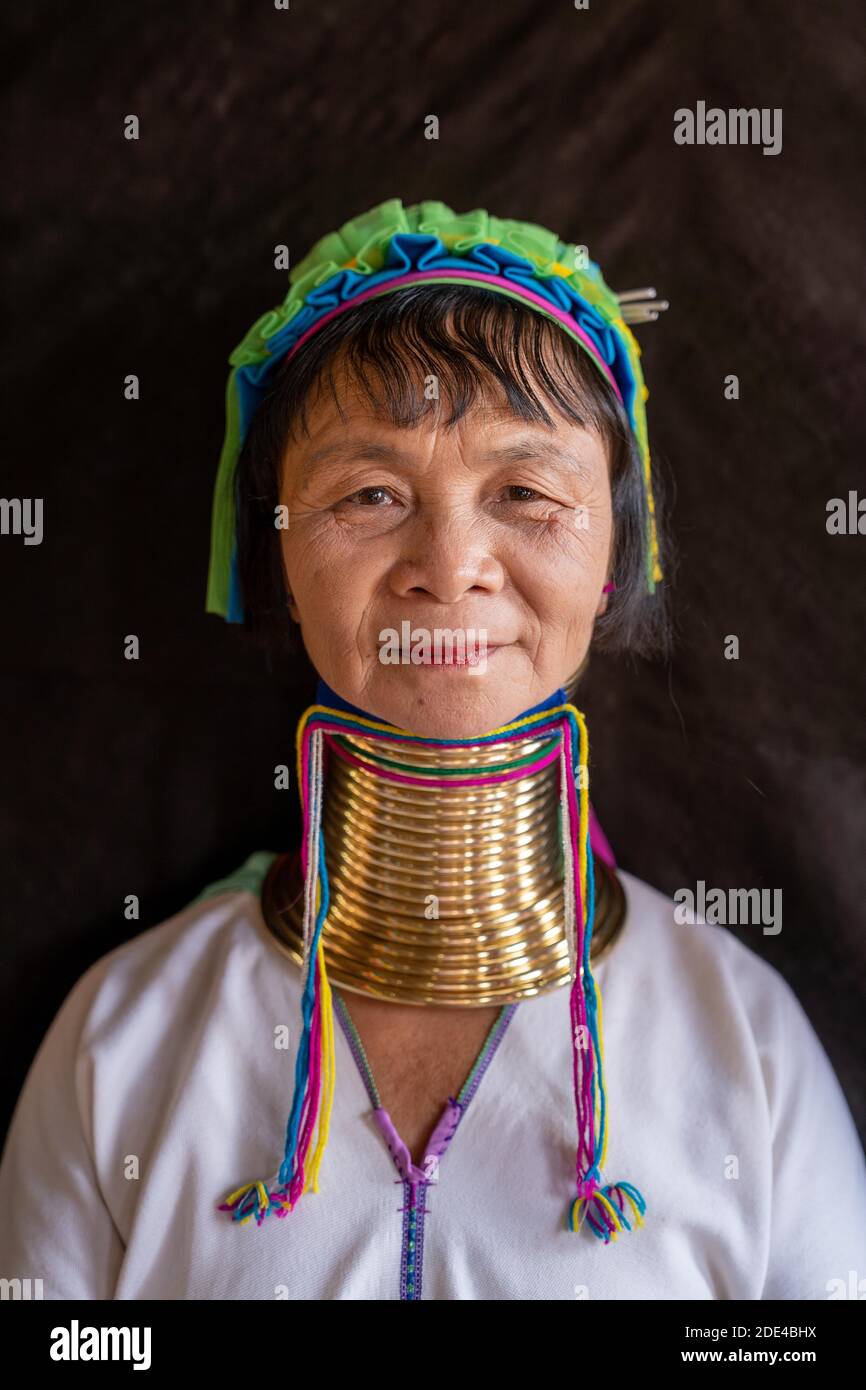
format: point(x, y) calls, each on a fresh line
point(368, 1070)
point(480, 1060)
point(361, 244)
point(448, 772)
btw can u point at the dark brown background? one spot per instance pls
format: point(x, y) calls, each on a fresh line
point(260, 127)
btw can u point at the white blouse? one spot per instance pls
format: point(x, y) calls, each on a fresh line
point(158, 1090)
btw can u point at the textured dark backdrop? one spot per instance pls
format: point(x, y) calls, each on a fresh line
point(260, 127)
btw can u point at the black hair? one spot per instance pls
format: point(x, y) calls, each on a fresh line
point(465, 337)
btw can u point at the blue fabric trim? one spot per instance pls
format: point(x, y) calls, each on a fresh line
point(409, 251)
point(235, 612)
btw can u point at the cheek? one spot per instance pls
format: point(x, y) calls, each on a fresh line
point(303, 560)
point(561, 566)
point(330, 576)
point(559, 579)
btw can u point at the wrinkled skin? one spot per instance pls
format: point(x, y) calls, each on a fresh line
point(444, 534)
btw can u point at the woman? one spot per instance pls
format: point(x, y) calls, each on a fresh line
point(436, 466)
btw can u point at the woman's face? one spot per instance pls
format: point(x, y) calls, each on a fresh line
point(497, 529)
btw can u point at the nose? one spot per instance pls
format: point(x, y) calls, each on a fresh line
point(446, 556)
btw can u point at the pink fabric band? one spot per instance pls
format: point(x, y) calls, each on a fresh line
point(470, 277)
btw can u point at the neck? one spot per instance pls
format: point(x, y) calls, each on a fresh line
point(326, 696)
point(444, 863)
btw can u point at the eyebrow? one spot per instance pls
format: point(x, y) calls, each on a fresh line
point(528, 448)
point(350, 453)
point(518, 451)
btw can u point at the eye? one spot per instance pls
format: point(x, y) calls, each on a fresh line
point(517, 492)
point(370, 496)
point(521, 492)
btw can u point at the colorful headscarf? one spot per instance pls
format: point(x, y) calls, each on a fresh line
point(387, 248)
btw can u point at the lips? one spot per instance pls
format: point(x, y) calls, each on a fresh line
point(454, 660)
point(446, 648)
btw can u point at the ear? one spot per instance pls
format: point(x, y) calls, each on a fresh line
point(293, 608)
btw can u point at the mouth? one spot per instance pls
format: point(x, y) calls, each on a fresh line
point(470, 660)
point(439, 649)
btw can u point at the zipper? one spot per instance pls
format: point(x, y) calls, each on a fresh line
point(416, 1181)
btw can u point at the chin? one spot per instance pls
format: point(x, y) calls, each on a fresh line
point(450, 704)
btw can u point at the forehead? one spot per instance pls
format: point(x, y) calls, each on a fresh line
point(344, 403)
point(489, 435)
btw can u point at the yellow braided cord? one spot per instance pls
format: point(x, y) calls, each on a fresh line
point(598, 1196)
point(583, 792)
point(543, 716)
point(583, 761)
point(327, 1033)
point(638, 1219)
point(328, 1073)
point(616, 1216)
point(299, 739)
point(326, 1038)
point(239, 1192)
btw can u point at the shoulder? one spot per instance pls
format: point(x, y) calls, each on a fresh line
point(132, 1058)
point(722, 1025)
point(731, 1014)
point(723, 1005)
point(705, 955)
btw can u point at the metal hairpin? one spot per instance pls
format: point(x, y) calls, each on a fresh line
point(641, 306)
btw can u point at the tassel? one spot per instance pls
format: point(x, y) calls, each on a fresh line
point(314, 1064)
point(601, 1205)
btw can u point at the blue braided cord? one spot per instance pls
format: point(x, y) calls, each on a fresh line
point(325, 695)
point(307, 1003)
point(302, 1063)
point(592, 1015)
point(633, 1192)
point(589, 992)
point(302, 1060)
point(349, 723)
point(591, 1009)
point(596, 1228)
